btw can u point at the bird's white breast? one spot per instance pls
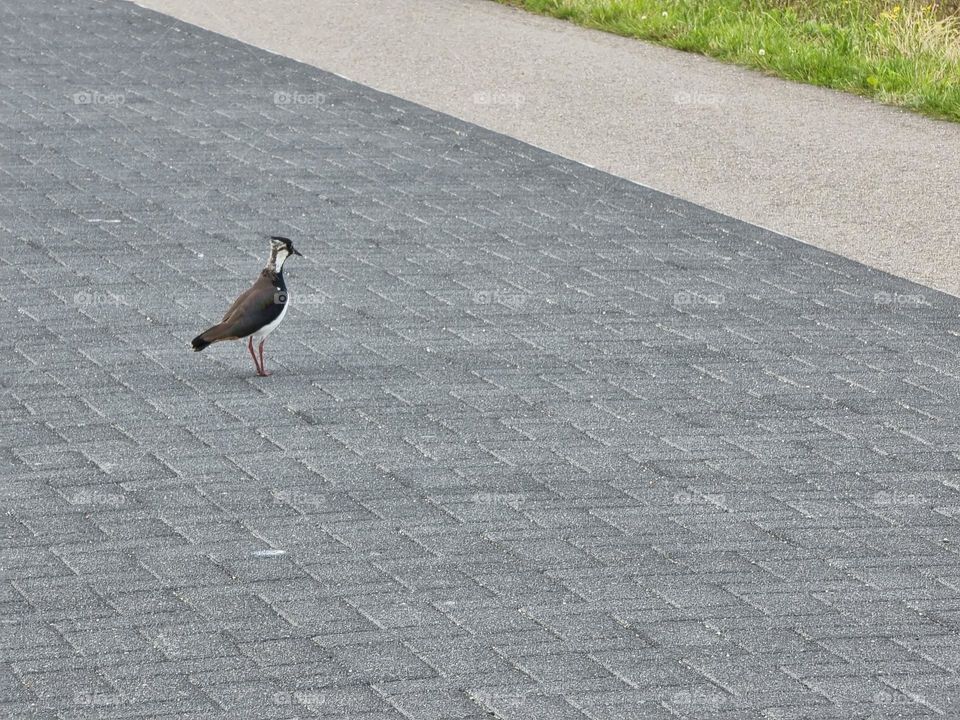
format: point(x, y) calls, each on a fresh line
point(270, 327)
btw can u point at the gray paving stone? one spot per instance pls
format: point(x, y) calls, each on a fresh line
point(540, 442)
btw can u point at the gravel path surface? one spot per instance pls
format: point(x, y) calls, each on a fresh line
point(869, 182)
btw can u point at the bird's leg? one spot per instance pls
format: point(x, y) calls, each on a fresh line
point(254, 356)
point(263, 368)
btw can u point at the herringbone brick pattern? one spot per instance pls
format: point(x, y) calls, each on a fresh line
point(539, 443)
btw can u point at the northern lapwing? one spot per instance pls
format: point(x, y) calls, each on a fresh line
point(258, 311)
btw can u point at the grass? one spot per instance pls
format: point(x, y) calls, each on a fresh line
point(905, 54)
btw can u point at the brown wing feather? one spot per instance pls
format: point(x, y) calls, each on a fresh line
point(239, 301)
point(262, 286)
point(254, 308)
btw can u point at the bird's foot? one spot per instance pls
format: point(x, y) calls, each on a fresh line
point(265, 373)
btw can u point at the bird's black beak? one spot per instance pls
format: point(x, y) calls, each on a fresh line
point(296, 252)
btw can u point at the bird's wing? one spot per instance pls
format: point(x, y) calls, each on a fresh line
point(256, 307)
point(240, 301)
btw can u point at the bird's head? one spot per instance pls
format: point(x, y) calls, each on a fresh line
point(280, 249)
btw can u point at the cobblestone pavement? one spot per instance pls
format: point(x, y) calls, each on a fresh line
point(540, 443)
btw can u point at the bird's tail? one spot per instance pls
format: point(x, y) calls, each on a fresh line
point(208, 337)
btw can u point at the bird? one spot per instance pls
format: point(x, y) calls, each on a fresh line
point(259, 310)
